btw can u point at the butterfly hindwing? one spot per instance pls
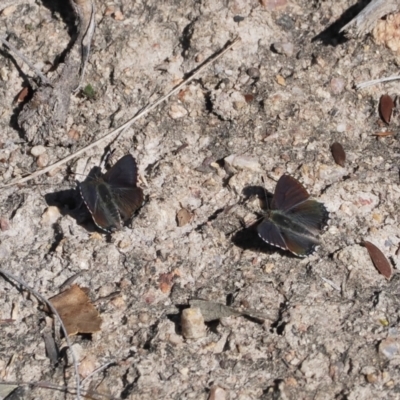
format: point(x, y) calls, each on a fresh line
point(299, 245)
point(271, 234)
point(97, 198)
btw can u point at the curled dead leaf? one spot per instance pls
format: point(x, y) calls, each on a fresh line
point(383, 134)
point(338, 154)
point(380, 261)
point(386, 105)
point(76, 311)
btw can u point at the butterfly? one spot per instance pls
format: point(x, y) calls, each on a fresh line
point(294, 220)
point(113, 198)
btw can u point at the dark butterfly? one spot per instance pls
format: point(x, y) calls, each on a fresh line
point(112, 198)
point(294, 220)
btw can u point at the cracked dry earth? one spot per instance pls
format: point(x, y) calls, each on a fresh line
point(274, 104)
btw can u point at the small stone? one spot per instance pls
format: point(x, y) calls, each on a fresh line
point(53, 172)
point(285, 48)
point(177, 111)
point(118, 15)
point(273, 4)
point(268, 268)
point(51, 215)
point(183, 216)
point(109, 10)
point(253, 73)
point(42, 160)
point(4, 224)
point(390, 347)
point(8, 11)
point(337, 85)
point(144, 318)
point(192, 321)
point(87, 366)
point(243, 162)
point(73, 134)
point(36, 151)
point(217, 393)
point(280, 80)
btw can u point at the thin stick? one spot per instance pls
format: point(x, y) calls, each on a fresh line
point(25, 60)
point(54, 311)
point(366, 84)
point(127, 124)
point(96, 371)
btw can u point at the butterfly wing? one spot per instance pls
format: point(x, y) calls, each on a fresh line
point(271, 234)
point(311, 214)
point(299, 245)
point(96, 196)
point(128, 200)
point(122, 179)
point(288, 193)
point(123, 173)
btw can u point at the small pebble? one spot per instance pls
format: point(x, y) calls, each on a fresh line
point(177, 111)
point(4, 224)
point(73, 134)
point(36, 151)
point(192, 321)
point(42, 160)
point(253, 73)
point(118, 15)
point(285, 48)
point(183, 216)
point(87, 366)
point(51, 215)
point(243, 162)
point(337, 85)
point(390, 347)
point(8, 11)
point(273, 4)
point(280, 80)
point(217, 393)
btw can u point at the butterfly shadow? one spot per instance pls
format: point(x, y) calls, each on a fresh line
point(70, 203)
point(248, 238)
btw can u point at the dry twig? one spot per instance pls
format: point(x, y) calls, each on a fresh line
point(127, 124)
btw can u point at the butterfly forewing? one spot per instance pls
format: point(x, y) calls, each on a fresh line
point(288, 193)
point(123, 173)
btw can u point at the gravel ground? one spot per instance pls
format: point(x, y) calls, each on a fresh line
point(274, 104)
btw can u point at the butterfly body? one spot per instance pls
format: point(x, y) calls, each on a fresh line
point(113, 198)
point(294, 220)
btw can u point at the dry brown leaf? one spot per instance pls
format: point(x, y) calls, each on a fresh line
point(386, 106)
point(383, 134)
point(76, 311)
point(338, 154)
point(380, 261)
